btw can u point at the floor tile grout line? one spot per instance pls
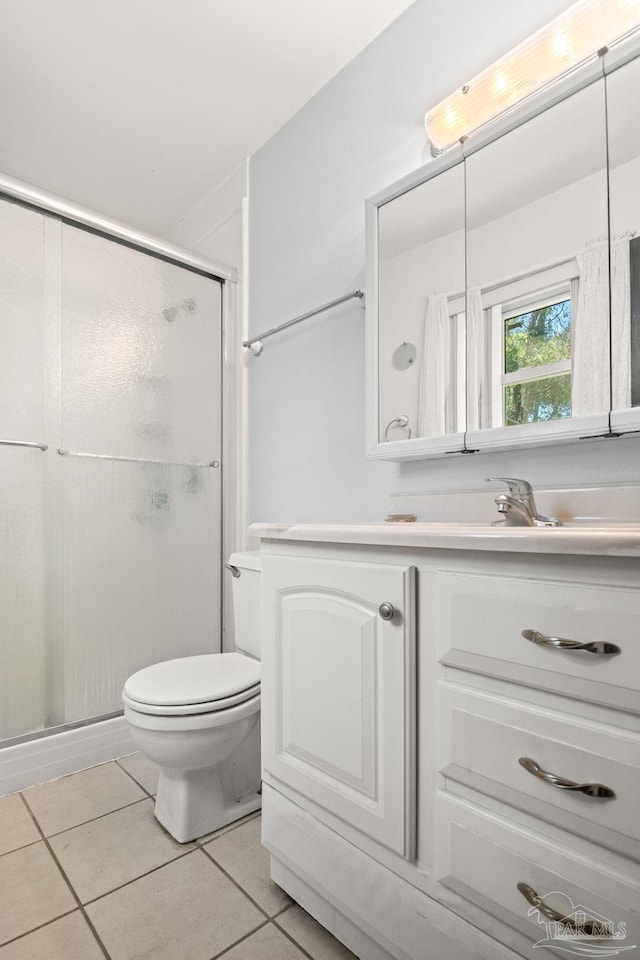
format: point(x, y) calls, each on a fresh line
point(235, 882)
point(265, 922)
point(59, 833)
point(284, 909)
point(32, 816)
point(179, 856)
point(269, 920)
point(233, 945)
point(121, 886)
point(292, 939)
point(41, 926)
point(229, 828)
point(68, 883)
point(23, 847)
point(129, 774)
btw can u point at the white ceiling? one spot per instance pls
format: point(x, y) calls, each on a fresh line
point(137, 107)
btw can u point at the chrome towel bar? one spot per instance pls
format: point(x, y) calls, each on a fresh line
point(162, 463)
point(256, 345)
point(24, 443)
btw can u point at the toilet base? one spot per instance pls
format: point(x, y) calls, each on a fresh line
point(193, 803)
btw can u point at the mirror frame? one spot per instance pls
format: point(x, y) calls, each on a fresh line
point(417, 447)
point(515, 437)
point(623, 421)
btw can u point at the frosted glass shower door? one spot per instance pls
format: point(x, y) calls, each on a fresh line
point(141, 499)
point(27, 629)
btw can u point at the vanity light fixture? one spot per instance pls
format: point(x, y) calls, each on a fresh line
point(578, 35)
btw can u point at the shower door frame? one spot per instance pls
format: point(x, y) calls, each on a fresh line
point(230, 396)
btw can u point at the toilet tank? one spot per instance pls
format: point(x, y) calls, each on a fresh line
point(246, 603)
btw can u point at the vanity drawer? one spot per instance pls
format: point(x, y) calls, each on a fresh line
point(483, 859)
point(480, 619)
point(483, 739)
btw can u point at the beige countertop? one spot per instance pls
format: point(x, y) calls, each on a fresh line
point(608, 539)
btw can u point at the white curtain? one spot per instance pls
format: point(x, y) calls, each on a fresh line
point(621, 322)
point(590, 375)
point(477, 397)
point(435, 369)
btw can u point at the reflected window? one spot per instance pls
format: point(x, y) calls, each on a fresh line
point(537, 364)
point(531, 351)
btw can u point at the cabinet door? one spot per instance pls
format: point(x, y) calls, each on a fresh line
point(338, 693)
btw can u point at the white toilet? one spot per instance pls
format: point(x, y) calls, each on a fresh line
point(198, 719)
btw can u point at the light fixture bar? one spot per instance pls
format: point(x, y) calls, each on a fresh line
point(566, 43)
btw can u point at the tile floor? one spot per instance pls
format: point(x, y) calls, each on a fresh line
point(87, 873)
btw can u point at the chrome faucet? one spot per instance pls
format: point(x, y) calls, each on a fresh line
point(518, 506)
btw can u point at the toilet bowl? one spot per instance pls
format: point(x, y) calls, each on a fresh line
point(197, 718)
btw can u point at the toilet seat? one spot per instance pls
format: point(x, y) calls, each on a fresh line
point(190, 709)
point(193, 685)
point(184, 722)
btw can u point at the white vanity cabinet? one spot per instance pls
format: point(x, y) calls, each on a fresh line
point(338, 690)
point(503, 726)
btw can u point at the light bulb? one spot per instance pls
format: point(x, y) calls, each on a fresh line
point(451, 118)
point(561, 44)
point(500, 82)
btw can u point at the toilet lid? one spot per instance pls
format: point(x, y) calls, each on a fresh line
point(191, 709)
point(191, 680)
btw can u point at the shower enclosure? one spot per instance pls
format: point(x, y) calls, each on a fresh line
point(110, 491)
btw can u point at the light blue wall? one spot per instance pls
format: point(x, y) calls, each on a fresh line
point(307, 189)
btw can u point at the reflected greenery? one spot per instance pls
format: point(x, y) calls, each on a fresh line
point(536, 339)
point(535, 401)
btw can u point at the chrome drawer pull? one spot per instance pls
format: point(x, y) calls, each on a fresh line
point(589, 789)
point(589, 928)
point(593, 646)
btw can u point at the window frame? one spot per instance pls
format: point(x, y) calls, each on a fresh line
point(457, 395)
point(525, 296)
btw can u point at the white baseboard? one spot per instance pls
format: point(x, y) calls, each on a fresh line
point(49, 757)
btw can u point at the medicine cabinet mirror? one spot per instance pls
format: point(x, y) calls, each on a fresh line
point(421, 287)
point(538, 277)
point(623, 107)
point(494, 262)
